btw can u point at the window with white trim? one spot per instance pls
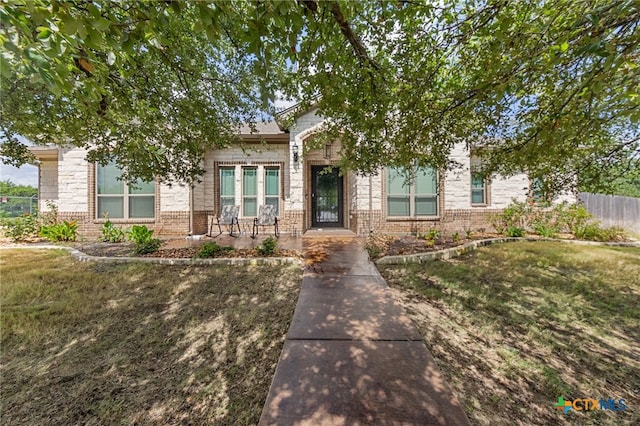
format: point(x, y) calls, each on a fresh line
point(478, 189)
point(479, 183)
point(272, 187)
point(227, 186)
point(250, 186)
point(117, 199)
point(249, 191)
point(412, 195)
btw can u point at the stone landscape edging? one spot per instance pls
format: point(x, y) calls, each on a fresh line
point(234, 261)
point(471, 246)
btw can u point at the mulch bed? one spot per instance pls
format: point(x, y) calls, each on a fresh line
point(385, 245)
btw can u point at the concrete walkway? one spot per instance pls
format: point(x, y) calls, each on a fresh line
point(352, 356)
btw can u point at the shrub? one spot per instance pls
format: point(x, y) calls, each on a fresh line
point(21, 228)
point(147, 246)
point(544, 222)
point(588, 231)
point(111, 233)
point(592, 231)
point(515, 214)
point(432, 235)
point(548, 222)
point(268, 247)
point(212, 249)
point(49, 216)
point(143, 239)
point(139, 234)
point(615, 233)
point(64, 231)
point(498, 223)
point(574, 217)
point(515, 231)
point(545, 230)
point(456, 237)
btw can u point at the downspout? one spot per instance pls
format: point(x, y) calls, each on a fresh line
point(191, 210)
point(37, 164)
point(370, 204)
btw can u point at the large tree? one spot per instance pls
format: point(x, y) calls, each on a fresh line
point(548, 87)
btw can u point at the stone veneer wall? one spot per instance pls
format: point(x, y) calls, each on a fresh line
point(70, 183)
point(47, 183)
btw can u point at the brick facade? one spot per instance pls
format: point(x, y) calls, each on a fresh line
point(168, 224)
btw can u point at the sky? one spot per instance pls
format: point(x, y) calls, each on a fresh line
point(25, 175)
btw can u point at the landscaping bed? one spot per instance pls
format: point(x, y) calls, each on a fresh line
point(386, 245)
point(126, 249)
point(519, 219)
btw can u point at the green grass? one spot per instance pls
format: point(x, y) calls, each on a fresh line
point(85, 343)
point(517, 325)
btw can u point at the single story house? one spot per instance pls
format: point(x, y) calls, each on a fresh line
point(305, 195)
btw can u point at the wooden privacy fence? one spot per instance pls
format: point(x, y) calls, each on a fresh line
point(613, 210)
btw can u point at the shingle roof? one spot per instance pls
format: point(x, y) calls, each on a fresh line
point(261, 128)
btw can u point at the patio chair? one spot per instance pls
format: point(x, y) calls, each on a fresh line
point(266, 217)
point(228, 216)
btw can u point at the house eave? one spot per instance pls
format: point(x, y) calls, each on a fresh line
point(294, 112)
point(42, 153)
point(271, 139)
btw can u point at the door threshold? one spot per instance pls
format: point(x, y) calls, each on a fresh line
point(327, 232)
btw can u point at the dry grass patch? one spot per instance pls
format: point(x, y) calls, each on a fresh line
point(516, 326)
point(87, 343)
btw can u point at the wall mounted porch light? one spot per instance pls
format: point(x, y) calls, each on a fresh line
point(327, 150)
point(294, 150)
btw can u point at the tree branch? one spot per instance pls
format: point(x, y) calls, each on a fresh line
point(346, 30)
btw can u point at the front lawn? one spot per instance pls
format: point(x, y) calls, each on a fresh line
point(515, 326)
point(85, 343)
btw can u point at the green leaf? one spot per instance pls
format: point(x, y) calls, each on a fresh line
point(11, 47)
point(564, 46)
point(38, 59)
point(101, 24)
point(5, 67)
point(43, 32)
point(82, 29)
point(128, 45)
point(93, 10)
point(70, 24)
